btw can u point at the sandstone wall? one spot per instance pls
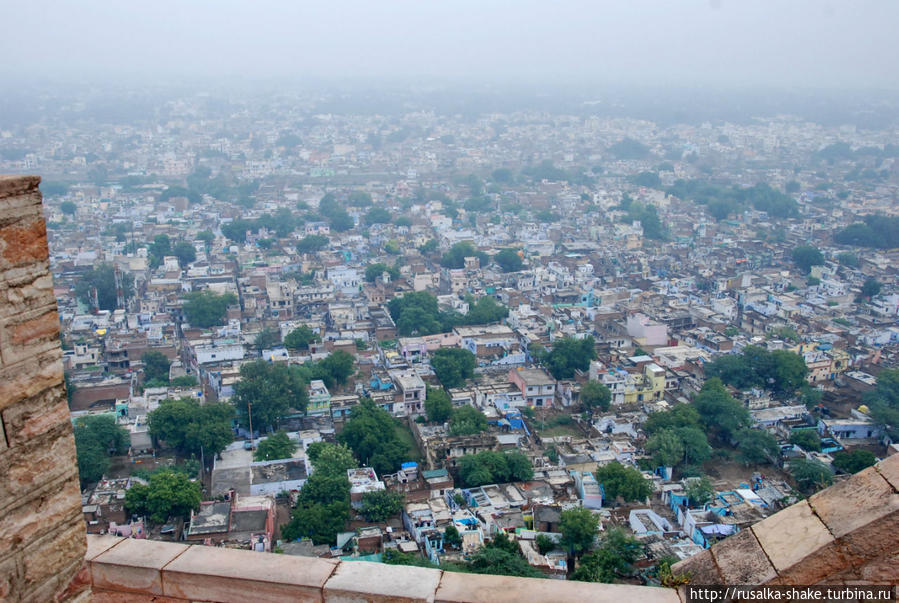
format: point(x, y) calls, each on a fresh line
point(42, 539)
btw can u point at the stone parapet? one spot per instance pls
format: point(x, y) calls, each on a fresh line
point(847, 534)
point(42, 540)
point(121, 569)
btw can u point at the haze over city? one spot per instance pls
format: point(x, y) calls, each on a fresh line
point(551, 301)
point(807, 43)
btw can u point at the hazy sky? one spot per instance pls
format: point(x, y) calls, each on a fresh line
point(783, 42)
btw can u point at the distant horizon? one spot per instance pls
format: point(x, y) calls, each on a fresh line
point(719, 44)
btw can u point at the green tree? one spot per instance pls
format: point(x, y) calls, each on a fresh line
point(806, 256)
point(870, 288)
point(700, 491)
point(67, 207)
point(416, 314)
point(191, 428)
point(300, 338)
point(853, 461)
point(578, 527)
point(374, 271)
point(620, 481)
point(810, 475)
point(380, 505)
point(206, 308)
point(614, 557)
point(331, 459)
point(96, 438)
point(266, 339)
point(455, 257)
point(338, 366)
point(451, 537)
point(545, 544)
point(371, 434)
point(270, 389)
point(883, 401)
point(509, 260)
point(485, 311)
point(169, 493)
point(807, 439)
point(595, 395)
point(158, 249)
point(93, 460)
point(467, 420)
point(568, 355)
point(378, 215)
point(438, 405)
point(156, 366)
point(276, 446)
point(453, 366)
point(102, 278)
point(185, 253)
point(341, 221)
point(498, 561)
point(847, 258)
point(312, 243)
point(679, 415)
point(207, 237)
point(666, 448)
point(319, 522)
point(719, 413)
point(519, 466)
point(757, 446)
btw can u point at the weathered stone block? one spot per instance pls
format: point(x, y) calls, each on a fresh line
point(36, 415)
point(37, 515)
point(475, 588)
point(13, 185)
point(792, 534)
point(889, 469)
point(700, 568)
point(204, 573)
point(48, 459)
point(864, 498)
point(97, 544)
point(134, 566)
point(361, 581)
point(29, 334)
point(741, 560)
point(23, 242)
point(55, 558)
point(31, 378)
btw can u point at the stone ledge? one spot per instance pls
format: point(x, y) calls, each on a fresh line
point(219, 574)
point(376, 582)
point(123, 569)
point(13, 184)
point(474, 588)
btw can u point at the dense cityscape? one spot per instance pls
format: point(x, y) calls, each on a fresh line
point(573, 345)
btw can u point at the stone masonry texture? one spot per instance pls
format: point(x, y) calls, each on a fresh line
point(42, 539)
